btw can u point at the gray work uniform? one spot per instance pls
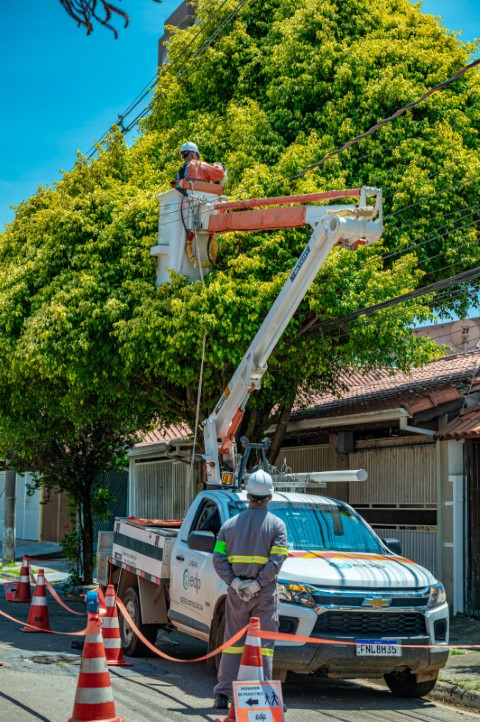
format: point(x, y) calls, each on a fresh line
point(251, 545)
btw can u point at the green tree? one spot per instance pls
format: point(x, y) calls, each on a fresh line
point(67, 410)
point(283, 84)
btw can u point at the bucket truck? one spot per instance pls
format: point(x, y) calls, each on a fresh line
point(381, 615)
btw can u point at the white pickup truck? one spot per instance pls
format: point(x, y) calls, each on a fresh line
point(340, 583)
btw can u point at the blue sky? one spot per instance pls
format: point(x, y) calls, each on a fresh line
point(62, 89)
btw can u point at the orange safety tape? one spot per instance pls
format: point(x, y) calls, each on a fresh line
point(150, 646)
point(54, 594)
point(60, 601)
point(318, 640)
point(38, 629)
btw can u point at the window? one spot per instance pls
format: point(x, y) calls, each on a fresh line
point(208, 518)
point(326, 527)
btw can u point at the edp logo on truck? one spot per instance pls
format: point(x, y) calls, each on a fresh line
point(190, 581)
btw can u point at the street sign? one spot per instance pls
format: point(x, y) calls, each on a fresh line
point(258, 701)
point(10, 590)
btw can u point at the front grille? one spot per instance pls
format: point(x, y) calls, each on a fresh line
point(381, 624)
point(325, 600)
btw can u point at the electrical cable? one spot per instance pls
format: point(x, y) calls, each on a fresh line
point(463, 277)
point(383, 122)
point(169, 67)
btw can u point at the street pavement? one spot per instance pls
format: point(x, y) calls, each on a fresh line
point(459, 681)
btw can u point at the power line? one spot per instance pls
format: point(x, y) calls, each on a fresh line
point(170, 67)
point(398, 112)
point(459, 278)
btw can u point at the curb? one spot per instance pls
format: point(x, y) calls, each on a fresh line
point(449, 692)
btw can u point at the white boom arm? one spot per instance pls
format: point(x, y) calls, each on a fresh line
point(331, 225)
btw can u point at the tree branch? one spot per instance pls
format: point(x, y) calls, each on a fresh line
point(84, 12)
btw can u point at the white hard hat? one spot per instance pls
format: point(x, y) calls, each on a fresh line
point(188, 147)
point(260, 483)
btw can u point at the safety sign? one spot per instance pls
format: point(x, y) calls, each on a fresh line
point(258, 701)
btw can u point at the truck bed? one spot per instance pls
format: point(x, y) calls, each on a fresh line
point(144, 548)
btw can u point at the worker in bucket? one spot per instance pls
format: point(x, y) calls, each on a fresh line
point(193, 169)
point(248, 555)
point(189, 151)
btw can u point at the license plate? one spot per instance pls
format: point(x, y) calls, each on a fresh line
point(379, 648)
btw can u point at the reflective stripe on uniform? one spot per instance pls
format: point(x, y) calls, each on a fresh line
point(240, 559)
point(266, 651)
point(220, 547)
point(279, 550)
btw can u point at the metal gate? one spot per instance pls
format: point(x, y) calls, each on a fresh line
point(160, 489)
point(472, 591)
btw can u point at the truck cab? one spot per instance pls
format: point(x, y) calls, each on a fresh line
point(377, 613)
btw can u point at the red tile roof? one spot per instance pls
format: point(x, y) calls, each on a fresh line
point(432, 385)
point(165, 436)
point(467, 424)
point(437, 382)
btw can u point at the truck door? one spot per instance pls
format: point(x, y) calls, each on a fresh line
point(195, 585)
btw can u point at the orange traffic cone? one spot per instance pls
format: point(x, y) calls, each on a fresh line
point(94, 696)
point(251, 665)
point(111, 632)
point(38, 614)
point(19, 591)
point(22, 593)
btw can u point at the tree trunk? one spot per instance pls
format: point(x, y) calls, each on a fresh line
point(87, 537)
point(8, 546)
point(279, 434)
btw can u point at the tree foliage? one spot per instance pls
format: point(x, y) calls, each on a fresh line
point(83, 329)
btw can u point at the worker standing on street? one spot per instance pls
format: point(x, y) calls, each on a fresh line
point(249, 552)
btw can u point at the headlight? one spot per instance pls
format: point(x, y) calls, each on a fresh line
point(437, 595)
point(296, 594)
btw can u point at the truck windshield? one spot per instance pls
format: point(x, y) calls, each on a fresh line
point(330, 527)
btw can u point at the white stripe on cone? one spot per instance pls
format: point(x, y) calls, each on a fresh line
point(93, 695)
point(39, 601)
point(112, 643)
point(109, 622)
point(95, 665)
point(250, 674)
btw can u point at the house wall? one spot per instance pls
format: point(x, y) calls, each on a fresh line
point(55, 517)
point(454, 547)
point(28, 509)
point(399, 499)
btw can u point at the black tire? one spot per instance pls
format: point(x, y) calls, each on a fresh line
point(131, 644)
point(404, 684)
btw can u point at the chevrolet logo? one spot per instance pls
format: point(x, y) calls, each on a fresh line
point(376, 602)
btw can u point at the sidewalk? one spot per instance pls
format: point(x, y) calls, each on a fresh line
point(458, 683)
point(43, 555)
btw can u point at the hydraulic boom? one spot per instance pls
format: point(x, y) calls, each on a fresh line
point(184, 244)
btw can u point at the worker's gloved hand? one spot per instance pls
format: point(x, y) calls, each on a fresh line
point(237, 585)
point(248, 589)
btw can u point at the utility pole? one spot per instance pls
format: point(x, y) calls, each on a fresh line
point(8, 546)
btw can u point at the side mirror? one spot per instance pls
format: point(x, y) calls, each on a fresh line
point(201, 541)
point(394, 546)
